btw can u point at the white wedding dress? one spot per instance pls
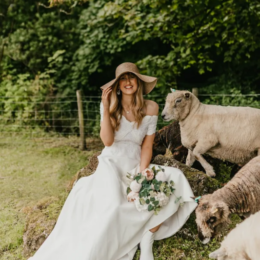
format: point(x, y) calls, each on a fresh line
point(97, 222)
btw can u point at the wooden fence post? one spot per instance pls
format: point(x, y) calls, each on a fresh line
point(195, 92)
point(81, 121)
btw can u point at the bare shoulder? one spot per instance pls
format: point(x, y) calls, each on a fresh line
point(152, 108)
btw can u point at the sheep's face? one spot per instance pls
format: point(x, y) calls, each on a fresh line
point(211, 217)
point(177, 106)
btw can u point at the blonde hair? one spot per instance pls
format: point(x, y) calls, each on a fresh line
point(116, 109)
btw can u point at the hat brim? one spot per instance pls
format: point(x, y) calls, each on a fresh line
point(149, 82)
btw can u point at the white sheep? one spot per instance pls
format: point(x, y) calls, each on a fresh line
point(242, 243)
point(227, 133)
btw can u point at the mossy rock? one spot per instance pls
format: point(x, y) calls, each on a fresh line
point(40, 221)
point(200, 183)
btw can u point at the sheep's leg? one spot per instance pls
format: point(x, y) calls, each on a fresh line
point(190, 158)
point(208, 168)
point(201, 148)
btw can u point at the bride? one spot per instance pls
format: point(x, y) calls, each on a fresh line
point(97, 222)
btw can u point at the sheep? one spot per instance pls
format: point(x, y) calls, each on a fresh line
point(168, 139)
point(227, 133)
point(242, 243)
point(241, 195)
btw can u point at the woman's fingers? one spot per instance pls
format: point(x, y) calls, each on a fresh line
point(107, 89)
point(106, 92)
point(109, 92)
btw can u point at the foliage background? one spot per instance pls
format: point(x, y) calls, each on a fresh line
point(51, 49)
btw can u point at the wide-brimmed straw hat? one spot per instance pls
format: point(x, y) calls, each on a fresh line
point(149, 82)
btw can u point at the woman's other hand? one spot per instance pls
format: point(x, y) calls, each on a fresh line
point(106, 93)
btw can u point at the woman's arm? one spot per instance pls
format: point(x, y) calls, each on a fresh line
point(146, 152)
point(147, 145)
point(106, 130)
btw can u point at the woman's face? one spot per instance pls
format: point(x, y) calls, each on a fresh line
point(128, 83)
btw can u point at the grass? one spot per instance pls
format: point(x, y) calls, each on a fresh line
point(33, 169)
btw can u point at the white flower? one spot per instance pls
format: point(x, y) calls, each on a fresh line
point(162, 198)
point(132, 196)
point(148, 173)
point(161, 176)
point(152, 186)
point(135, 186)
point(139, 206)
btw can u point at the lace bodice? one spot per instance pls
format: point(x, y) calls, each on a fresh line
point(128, 130)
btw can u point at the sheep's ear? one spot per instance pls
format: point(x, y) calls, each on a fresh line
point(187, 95)
point(218, 253)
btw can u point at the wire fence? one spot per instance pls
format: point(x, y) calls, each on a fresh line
point(57, 117)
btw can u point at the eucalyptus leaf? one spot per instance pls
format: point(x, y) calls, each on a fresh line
point(150, 207)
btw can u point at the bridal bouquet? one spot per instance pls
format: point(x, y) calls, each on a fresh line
point(150, 190)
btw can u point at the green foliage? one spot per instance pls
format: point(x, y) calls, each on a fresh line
point(22, 95)
point(37, 35)
point(212, 45)
point(224, 173)
point(234, 97)
point(196, 34)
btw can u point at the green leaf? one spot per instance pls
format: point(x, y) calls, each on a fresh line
point(201, 71)
point(178, 199)
point(141, 179)
point(142, 201)
point(156, 203)
point(128, 190)
point(150, 207)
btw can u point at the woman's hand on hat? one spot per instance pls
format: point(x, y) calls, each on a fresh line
point(106, 97)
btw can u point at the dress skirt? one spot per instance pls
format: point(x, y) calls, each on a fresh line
point(98, 223)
